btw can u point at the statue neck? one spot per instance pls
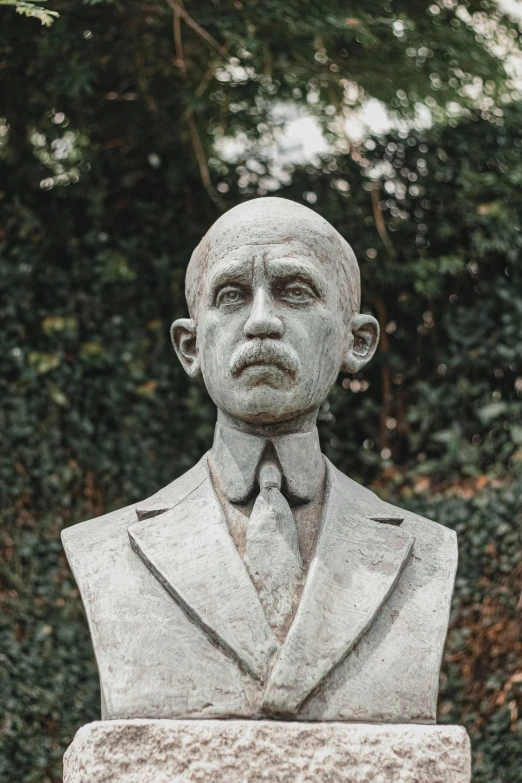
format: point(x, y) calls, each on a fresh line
point(305, 422)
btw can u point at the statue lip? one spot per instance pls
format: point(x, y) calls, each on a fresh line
point(260, 363)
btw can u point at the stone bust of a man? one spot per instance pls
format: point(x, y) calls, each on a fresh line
point(263, 582)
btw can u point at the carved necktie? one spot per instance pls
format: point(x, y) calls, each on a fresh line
point(272, 552)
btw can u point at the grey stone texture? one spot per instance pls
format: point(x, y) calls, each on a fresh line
point(179, 631)
point(177, 590)
point(240, 751)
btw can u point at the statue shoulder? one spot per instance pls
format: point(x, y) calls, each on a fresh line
point(101, 538)
point(428, 534)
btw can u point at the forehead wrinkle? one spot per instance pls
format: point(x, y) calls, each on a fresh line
point(251, 244)
point(294, 248)
point(221, 245)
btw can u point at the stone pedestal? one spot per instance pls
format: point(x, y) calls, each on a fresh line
point(241, 751)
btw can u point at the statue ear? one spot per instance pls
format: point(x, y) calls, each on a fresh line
point(184, 340)
point(363, 342)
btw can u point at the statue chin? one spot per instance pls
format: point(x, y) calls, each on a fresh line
point(262, 404)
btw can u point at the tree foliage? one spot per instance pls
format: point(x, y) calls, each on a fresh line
point(114, 126)
point(31, 10)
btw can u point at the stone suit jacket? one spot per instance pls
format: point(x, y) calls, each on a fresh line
point(179, 631)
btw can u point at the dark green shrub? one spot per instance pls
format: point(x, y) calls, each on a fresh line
point(109, 177)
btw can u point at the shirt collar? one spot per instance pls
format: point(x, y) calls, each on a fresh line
point(236, 456)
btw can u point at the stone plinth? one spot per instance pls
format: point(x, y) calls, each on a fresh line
point(241, 751)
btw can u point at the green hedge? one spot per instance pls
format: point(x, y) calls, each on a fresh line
point(104, 192)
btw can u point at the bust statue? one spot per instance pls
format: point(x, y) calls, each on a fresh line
point(264, 583)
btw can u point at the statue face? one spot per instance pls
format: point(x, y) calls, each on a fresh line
point(270, 332)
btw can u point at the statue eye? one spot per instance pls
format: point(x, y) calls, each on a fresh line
point(297, 293)
point(230, 295)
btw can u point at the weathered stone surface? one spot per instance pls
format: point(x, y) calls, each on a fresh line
point(203, 604)
point(143, 751)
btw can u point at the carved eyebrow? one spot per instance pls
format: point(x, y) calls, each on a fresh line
point(237, 271)
point(291, 268)
point(233, 272)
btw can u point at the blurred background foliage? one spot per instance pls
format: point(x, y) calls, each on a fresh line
point(125, 130)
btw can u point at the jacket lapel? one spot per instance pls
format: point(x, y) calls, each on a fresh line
point(188, 548)
point(357, 563)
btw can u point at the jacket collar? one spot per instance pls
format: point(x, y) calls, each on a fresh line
point(235, 457)
point(187, 546)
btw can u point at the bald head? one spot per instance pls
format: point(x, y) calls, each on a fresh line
point(272, 221)
point(273, 292)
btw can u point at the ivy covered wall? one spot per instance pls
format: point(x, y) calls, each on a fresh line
point(114, 124)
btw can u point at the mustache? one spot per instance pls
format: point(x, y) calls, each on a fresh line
point(264, 351)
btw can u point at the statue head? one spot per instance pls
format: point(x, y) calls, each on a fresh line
point(273, 292)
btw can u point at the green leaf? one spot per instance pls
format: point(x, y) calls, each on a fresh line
point(492, 411)
point(30, 9)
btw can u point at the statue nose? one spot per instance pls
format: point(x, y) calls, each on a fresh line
point(262, 321)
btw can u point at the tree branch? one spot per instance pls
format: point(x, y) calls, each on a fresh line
point(178, 42)
point(189, 114)
point(380, 224)
point(178, 8)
